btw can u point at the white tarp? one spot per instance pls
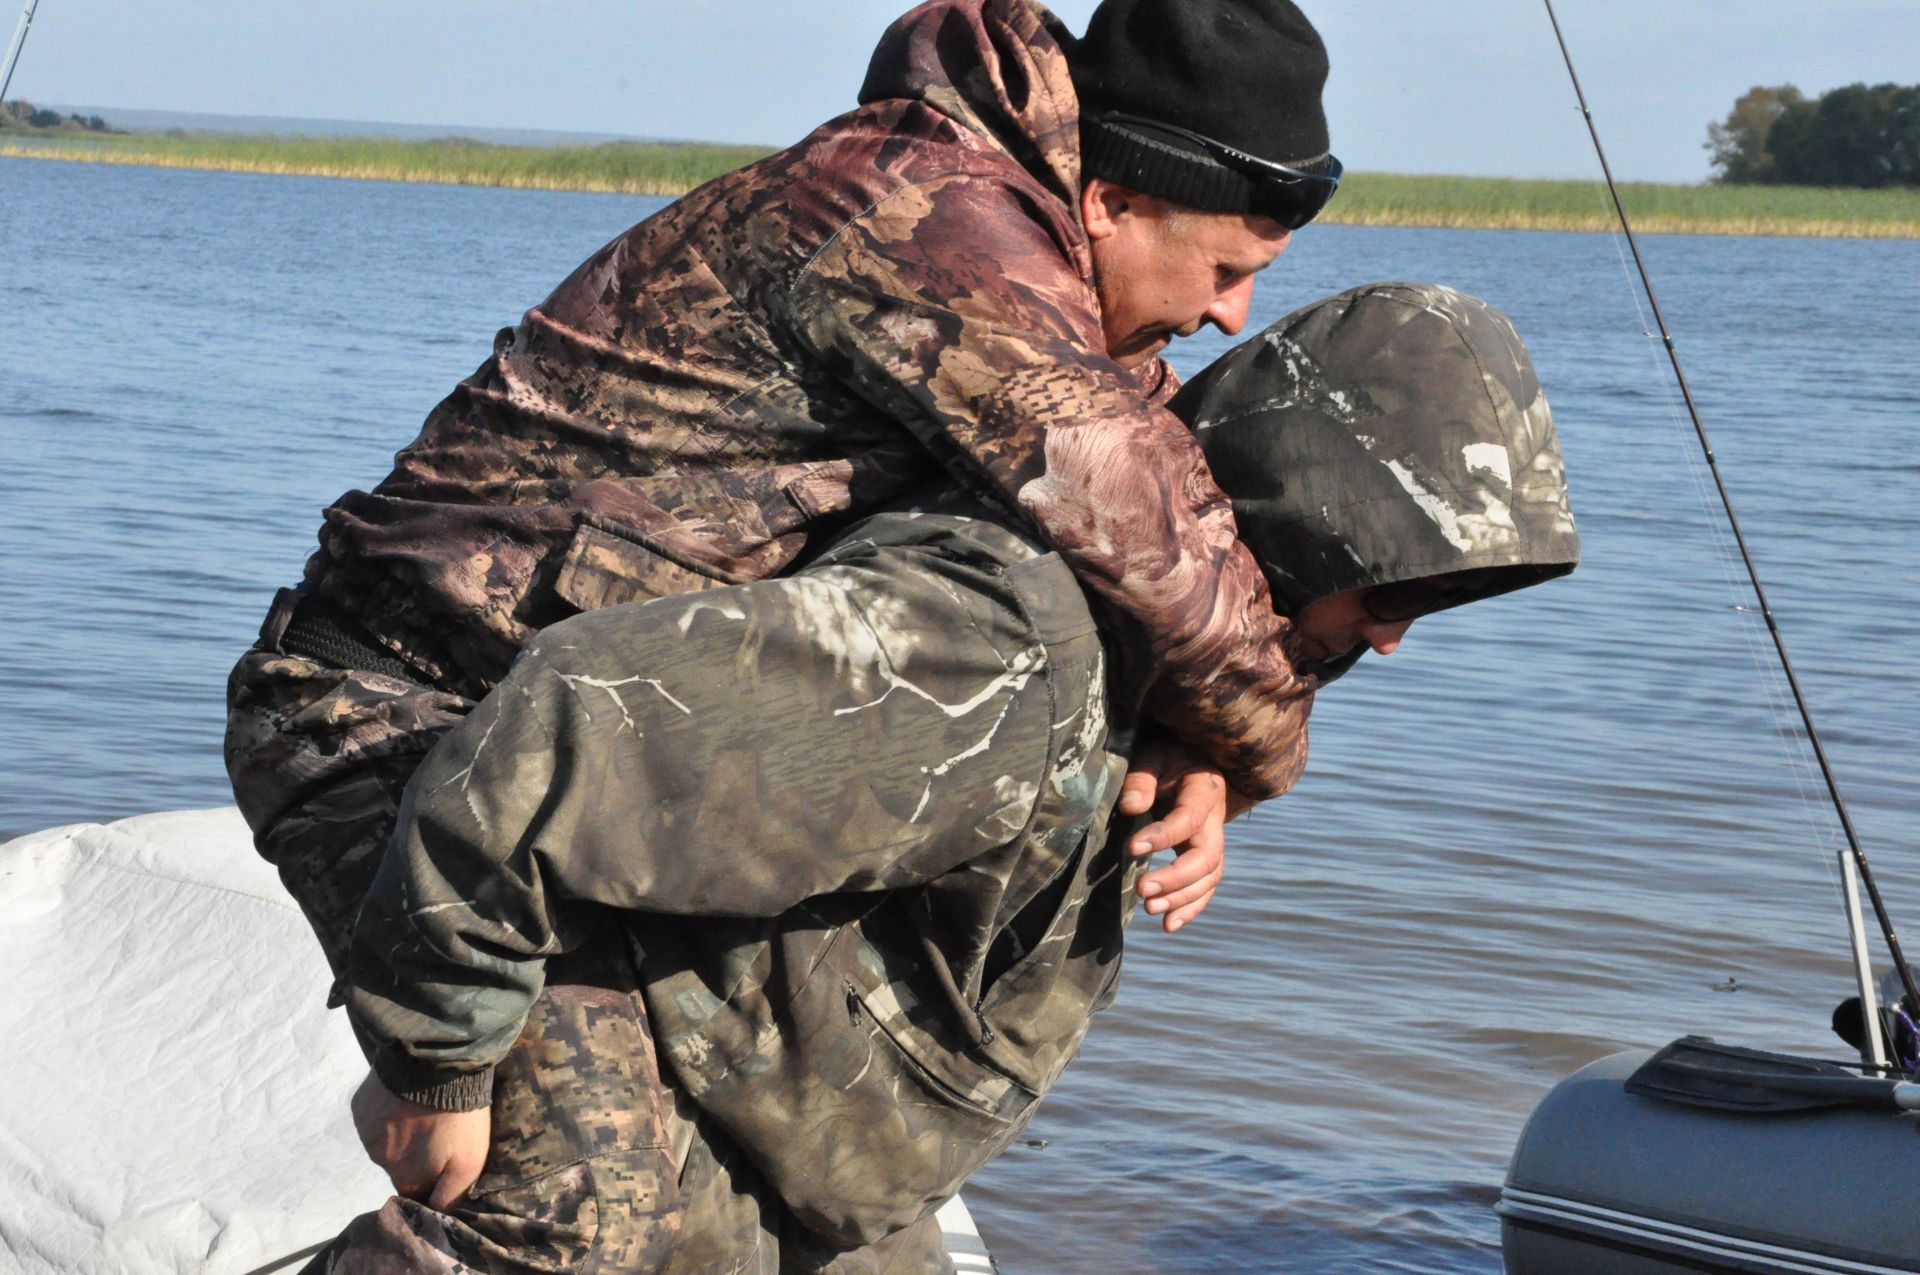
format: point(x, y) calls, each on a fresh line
point(173, 1091)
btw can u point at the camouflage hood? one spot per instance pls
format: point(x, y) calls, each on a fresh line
point(996, 67)
point(1392, 432)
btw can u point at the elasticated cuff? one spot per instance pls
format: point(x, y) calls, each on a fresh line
point(442, 1088)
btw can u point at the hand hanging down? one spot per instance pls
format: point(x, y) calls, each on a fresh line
point(1197, 801)
point(431, 1155)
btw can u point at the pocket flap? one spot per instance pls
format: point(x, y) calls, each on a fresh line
point(605, 568)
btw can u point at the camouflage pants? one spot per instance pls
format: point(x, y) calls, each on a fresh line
point(599, 1163)
point(319, 758)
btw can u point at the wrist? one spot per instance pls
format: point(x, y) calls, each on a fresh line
point(436, 1087)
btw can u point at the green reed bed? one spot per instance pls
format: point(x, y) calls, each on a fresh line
point(634, 168)
point(672, 168)
point(1388, 199)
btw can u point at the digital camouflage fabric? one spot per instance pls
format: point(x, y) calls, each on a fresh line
point(581, 1175)
point(901, 301)
point(1393, 432)
point(599, 1164)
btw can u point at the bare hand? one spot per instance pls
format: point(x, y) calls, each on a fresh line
point(1198, 802)
point(433, 1156)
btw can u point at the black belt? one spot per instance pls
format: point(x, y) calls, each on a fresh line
point(319, 630)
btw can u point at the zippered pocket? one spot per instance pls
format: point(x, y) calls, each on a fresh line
point(990, 1094)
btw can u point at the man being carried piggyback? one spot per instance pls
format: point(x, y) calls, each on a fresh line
point(754, 919)
point(963, 285)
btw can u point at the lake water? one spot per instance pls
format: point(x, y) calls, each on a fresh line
point(1546, 830)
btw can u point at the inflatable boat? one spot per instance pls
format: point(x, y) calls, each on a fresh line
point(176, 1090)
point(1704, 1157)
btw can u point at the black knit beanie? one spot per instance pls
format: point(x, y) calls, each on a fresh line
point(1247, 73)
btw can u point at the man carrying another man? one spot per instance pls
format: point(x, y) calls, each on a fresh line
point(834, 844)
point(960, 288)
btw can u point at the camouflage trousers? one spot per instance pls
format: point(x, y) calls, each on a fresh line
point(319, 758)
point(601, 1164)
point(600, 1161)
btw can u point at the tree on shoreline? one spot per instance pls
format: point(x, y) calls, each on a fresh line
point(20, 113)
point(1739, 143)
point(1859, 135)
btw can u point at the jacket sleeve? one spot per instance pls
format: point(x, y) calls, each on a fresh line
point(956, 311)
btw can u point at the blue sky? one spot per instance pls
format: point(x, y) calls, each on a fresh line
point(1462, 86)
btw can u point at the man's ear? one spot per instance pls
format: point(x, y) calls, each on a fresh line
point(1103, 205)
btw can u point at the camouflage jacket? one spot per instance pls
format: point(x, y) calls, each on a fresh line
point(867, 973)
point(853, 821)
point(902, 299)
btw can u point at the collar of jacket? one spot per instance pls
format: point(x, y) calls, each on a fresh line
point(998, 68)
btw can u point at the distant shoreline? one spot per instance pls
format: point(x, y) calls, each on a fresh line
point(673, 168)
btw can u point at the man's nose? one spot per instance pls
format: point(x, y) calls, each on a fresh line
point(1382, 636)
point(1229, 309)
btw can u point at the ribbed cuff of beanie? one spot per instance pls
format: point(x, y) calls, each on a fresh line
point(1132, 159)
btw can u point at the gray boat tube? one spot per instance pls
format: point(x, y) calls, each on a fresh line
point(1609, 1182)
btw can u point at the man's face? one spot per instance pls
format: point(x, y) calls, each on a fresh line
point(1162, 271)
point(1377, 618)
point(1335, 626)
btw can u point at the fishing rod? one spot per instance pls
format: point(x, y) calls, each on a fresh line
point(1857, 860)
point(18, 43)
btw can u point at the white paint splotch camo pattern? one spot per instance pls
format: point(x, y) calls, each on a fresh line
point(819, 803)
point(1393, 432)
